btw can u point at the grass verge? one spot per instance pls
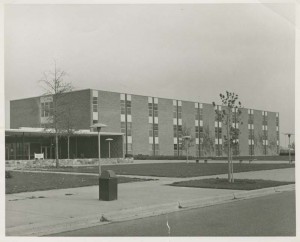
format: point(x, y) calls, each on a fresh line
point(175, 169)
point(30, 181)
point(239, 184)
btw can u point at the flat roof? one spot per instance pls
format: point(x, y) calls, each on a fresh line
point(49, 132)
point(168, 98)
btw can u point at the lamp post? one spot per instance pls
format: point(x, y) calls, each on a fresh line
point(187, 138)
point(109, 139)
point(98, 126)
point(289, 136)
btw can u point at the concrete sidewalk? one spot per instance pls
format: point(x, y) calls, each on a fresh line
point(46, 212)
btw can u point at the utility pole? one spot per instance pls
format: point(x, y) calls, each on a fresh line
point(289, 136)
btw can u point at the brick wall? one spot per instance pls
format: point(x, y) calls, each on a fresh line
point(140, 126)
point(209, 125)
point(188, 120)
point(78, 102)
point(109, 110)
point(244, 133)
point(272, 138)
point(165, 126)
point(25, 113)
point(258, 132)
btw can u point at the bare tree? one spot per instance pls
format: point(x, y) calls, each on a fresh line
point(54, 86)
point(187, 143)
point(230, 115)
point(67, 125)
point(272, 145)
point(207, 142)
point(260, 143)
point(293, 145)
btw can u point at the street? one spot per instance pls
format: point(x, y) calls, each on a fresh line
point(272, 215)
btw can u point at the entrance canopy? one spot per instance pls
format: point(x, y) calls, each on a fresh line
point(24, 142)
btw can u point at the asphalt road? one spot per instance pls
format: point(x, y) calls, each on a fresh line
point(272, 215)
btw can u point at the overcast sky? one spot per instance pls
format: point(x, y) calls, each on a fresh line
point(188, 52)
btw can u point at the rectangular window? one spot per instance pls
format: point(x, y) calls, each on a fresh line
point(179, 112)
point(122, 106)
point(95, 100)
point(197, 131)
point(155, 129)
point(123, 127)
point(150, 108)
point(155, 107)
point(175, 112)
point(201, 114)
point(218, 132)
point(196, 114)
point(175, 130)
point(179, 127)
point(129, 147)
point(250, 134)
point(129, 128)
point(46, 109)
point(150, 130)
point(266, 134)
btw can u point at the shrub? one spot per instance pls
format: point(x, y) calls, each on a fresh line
point(8, 174)
point(128, 156)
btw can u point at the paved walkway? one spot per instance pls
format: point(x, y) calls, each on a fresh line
point(30, 210)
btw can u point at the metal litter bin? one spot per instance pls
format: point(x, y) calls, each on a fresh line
point(108, 186)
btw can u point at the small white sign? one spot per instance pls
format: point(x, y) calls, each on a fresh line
point(39, 156)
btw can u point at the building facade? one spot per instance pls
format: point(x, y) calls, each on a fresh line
point(156, 126)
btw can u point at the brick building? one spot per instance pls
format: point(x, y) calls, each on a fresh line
point(155, 126)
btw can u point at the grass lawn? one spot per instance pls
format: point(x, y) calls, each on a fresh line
point(239, 184)
point(30, 181)
point(175, 169)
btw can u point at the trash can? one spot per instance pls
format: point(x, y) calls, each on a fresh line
point(108, 186)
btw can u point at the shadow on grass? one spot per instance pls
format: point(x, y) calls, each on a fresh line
point(239, 184)
point(29, 182)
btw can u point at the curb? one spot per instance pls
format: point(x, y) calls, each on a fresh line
point(48, 228)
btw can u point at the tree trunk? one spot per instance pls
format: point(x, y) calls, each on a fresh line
point(228, 144)
point(68, 147)
point(232, 178)
point(56, 151)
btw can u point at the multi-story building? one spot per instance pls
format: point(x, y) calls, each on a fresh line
point(156, 126)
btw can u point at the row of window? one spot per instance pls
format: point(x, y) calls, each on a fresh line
point(95, 107)
point(199, 128)
point(218, 129)
point(153, 130)
point(126, 121)
point(46, 109)
point(177, 127)
point(153, 125)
